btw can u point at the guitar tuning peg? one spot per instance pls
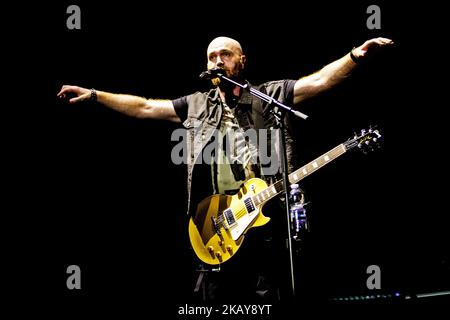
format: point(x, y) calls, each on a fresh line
point(363, 132)
point(377, 133)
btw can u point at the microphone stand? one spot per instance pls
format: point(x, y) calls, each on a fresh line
point(278, 113)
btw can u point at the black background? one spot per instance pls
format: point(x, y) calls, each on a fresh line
point(91, 187)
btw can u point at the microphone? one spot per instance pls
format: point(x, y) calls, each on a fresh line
point(212, 73)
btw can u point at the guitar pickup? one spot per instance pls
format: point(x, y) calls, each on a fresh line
point(228, 214)
point(249, 205)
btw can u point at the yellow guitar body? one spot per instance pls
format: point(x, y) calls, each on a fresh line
point(217, 230)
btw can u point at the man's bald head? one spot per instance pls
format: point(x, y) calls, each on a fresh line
point(225, 42)
point(226, 53)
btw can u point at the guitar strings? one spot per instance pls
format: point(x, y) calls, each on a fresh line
point(334, 153)
point(242, 210)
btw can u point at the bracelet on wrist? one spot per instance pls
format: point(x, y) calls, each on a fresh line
point(353, 57)
point(93, 95)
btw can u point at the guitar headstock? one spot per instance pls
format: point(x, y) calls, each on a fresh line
point(366, 140)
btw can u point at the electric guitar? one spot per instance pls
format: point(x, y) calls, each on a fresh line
point(217, 230)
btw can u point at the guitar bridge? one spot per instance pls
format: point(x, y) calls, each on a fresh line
point(216, 228)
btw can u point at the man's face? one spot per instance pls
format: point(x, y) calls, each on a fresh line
point(226, 53)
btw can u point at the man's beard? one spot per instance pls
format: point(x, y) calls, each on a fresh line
point(226, 85)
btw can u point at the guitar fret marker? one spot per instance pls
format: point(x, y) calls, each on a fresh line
point(315, 165)
point(327, 158)
point(305, 172)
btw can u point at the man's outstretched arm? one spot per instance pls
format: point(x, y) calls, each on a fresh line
point(128, 104)
point(335, 72)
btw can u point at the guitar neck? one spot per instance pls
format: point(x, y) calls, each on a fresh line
point(276, 188)
point(317, 163)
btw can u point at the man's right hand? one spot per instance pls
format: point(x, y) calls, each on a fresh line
point(82, 94)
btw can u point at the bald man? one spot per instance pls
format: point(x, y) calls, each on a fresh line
point(220, 119)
